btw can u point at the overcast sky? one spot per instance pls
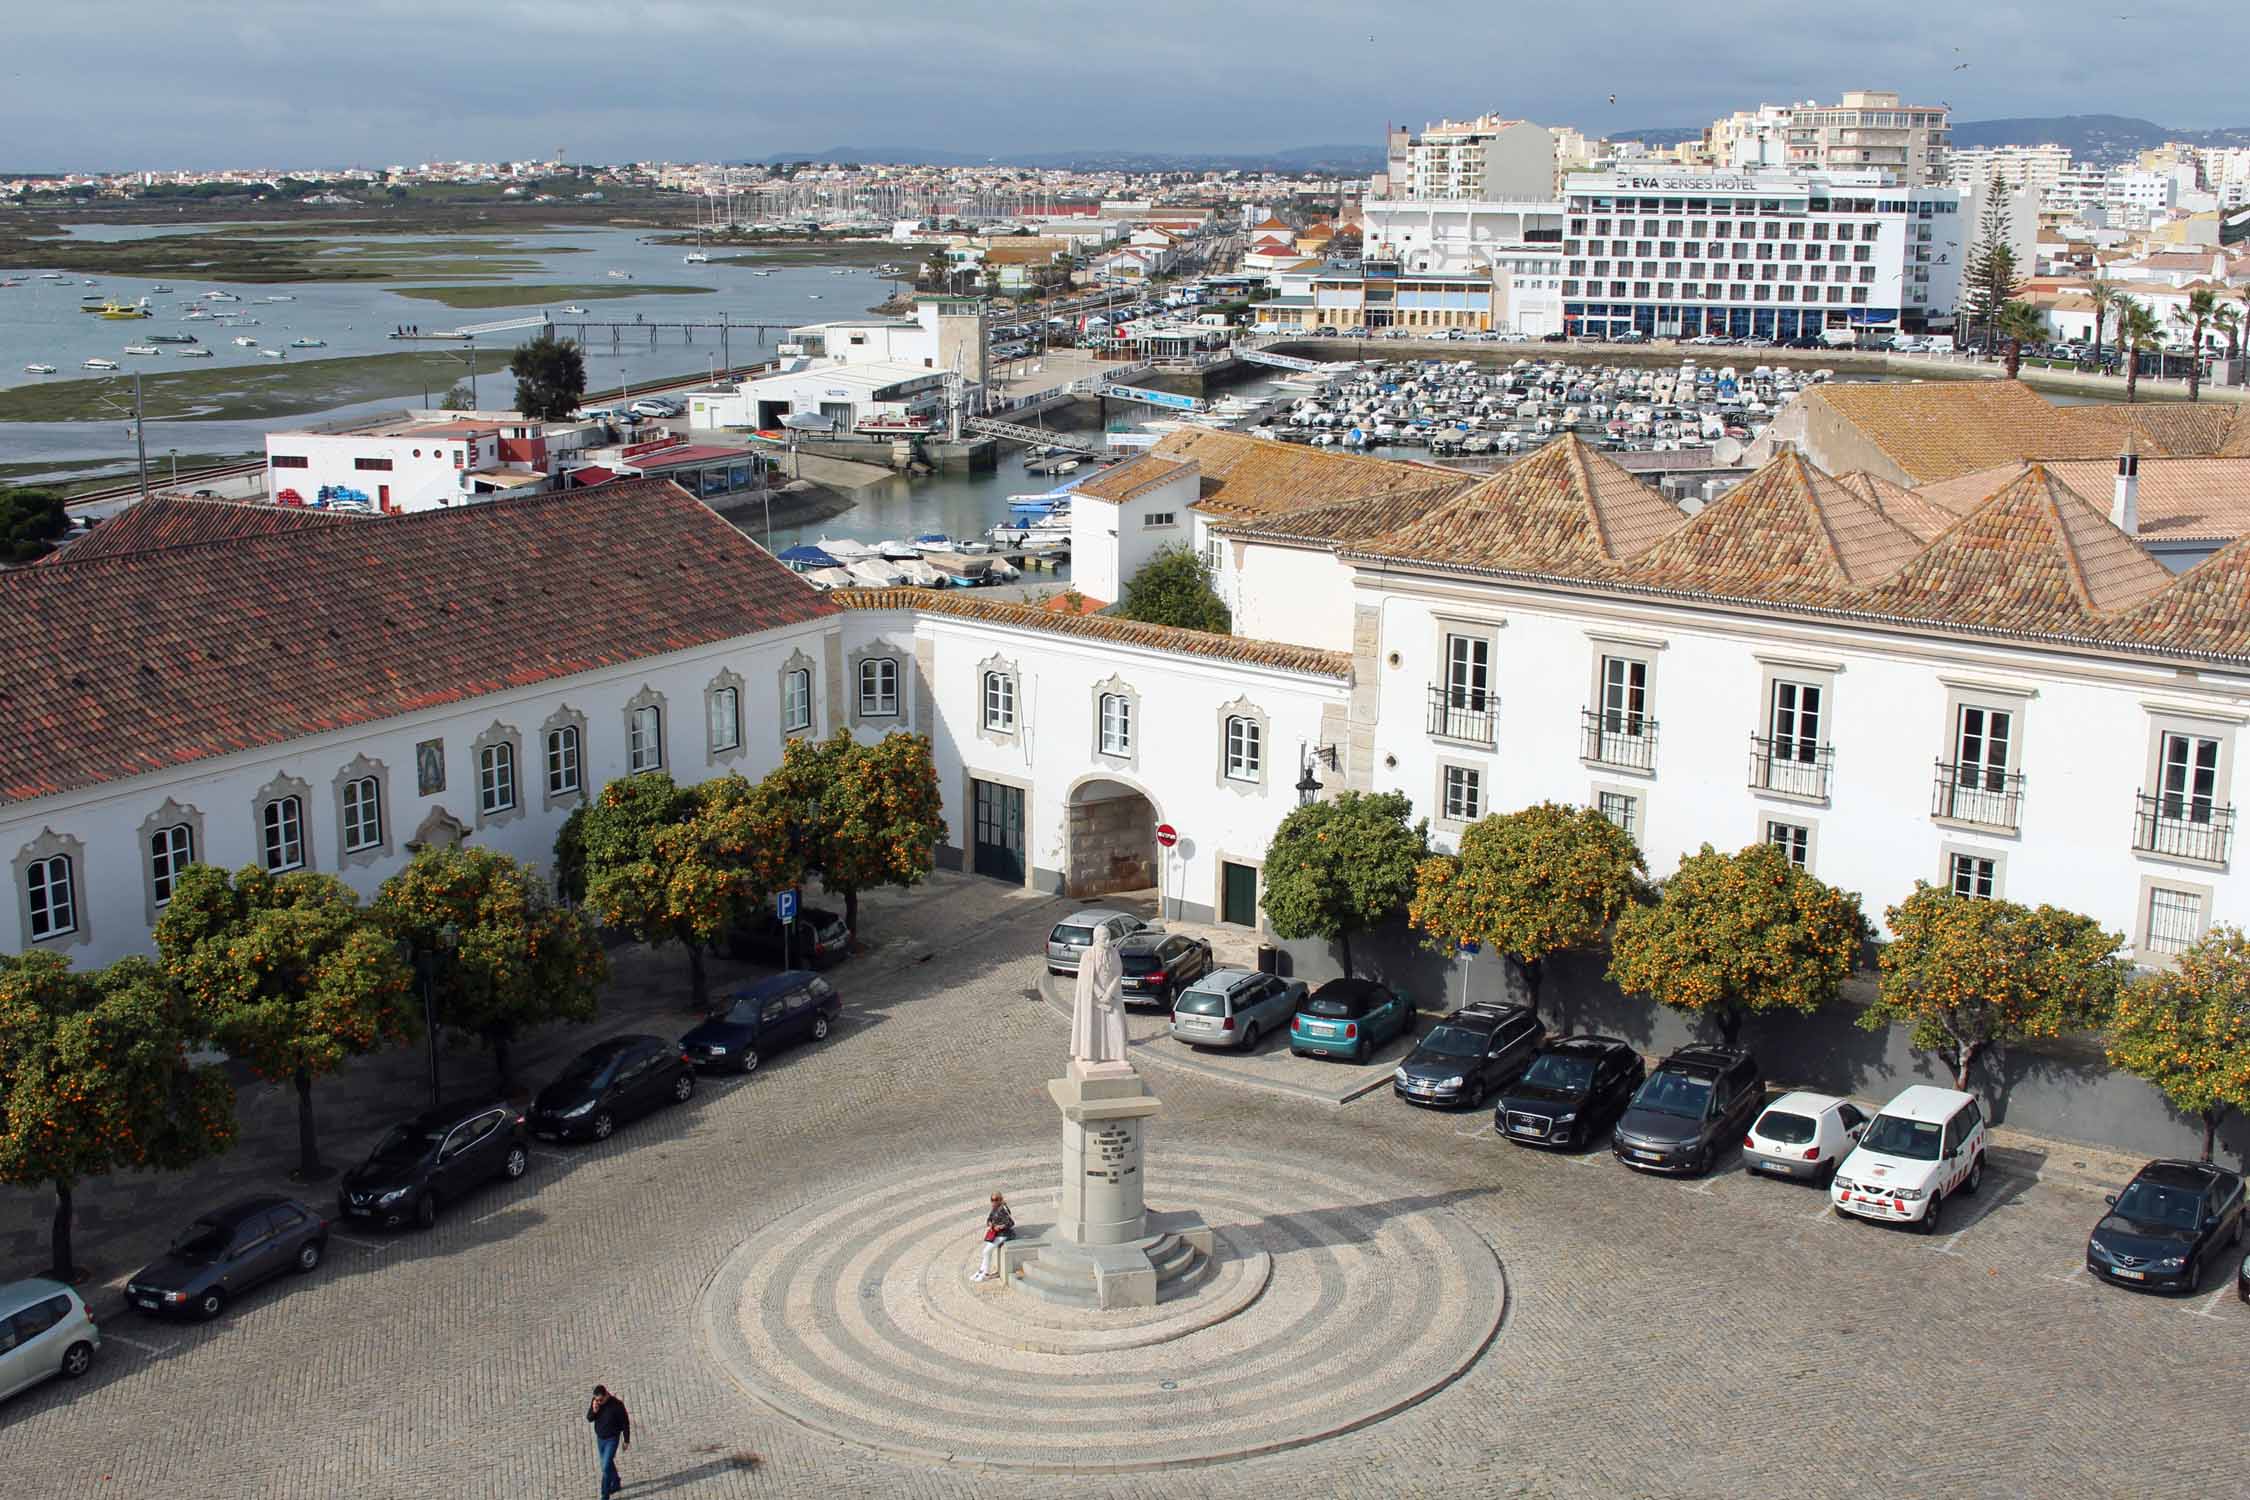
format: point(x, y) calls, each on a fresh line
point(162, 83)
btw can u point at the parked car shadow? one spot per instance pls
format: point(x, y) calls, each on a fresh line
point(1349, 1223)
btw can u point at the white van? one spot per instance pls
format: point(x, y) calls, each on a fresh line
point(1925, 1146)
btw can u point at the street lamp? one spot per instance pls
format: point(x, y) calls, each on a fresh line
point(425, 961)
point(1308, 785)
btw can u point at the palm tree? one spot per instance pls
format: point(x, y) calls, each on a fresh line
point(2190, 318)
point(2014, 325)
point(2137, 329)
point(2228, 321)
point(2104, 295)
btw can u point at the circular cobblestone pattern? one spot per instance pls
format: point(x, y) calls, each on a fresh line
point(1335, 1302)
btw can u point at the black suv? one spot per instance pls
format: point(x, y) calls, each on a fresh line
point(225, 1253)
point(1158, 965)
point(1464, 1057)
point(1572, 1091)
point(439, 1155)
point(618, 1079)
point(2163, 1229)
point(1696, 1101)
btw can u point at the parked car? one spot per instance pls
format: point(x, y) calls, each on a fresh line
point(1803, 1135)
point(1348, 1018)
point(1696, 1101)
point(1926, 1145)
point(1574, 1089)
point(817, 937)
point(225, 1253)
point(618, 1079)
point(436, 1157)
point(1464, 1057)
point(45, 1330)
point(753, 1021)
point(1234, 1007)
point(652, 406)
point(2167, 1224)
point(1158, 965)
point(1074, 934)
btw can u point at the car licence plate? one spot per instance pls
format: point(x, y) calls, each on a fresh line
point(147, 1302)
point(2128, 1275)
point(1649, 1155)
point(359, 1213)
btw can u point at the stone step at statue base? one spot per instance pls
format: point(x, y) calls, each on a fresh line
point(1169, 1263)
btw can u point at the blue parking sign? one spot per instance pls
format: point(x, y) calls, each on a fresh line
point(785, 905)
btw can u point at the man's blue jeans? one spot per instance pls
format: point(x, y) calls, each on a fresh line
point(608, 1450)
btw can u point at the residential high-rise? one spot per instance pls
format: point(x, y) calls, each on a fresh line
point(1484, 160)
point(1871, 129)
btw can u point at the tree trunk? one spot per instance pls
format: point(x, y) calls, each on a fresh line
point(2195, 364)
point(501, 1039)
point(2211, 1119)
point(1729, 1018)
point(2015, 357)
point(1969, 1054)
point(699, 985)
point(308, 1149)
point(851, 917)
point(1534, 980)
point(65, 1268)
point(1344, 941)
point(2132, 373)
point(2097, 340)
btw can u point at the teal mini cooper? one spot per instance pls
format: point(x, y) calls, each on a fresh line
point(1348, 1018)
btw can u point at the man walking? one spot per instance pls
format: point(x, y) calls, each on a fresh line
point(613, 1429)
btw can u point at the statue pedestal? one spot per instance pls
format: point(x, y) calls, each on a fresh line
point(1105, 1249)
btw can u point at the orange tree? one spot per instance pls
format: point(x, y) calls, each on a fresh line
point(861, 815)
point(1969, 975)
point(2187, 1030)
point(294, 977)
point(94, 1079)
point(672, 864)
point(1547, 879)
point(1732, 935)
point(1343, 865)
point(513, 958)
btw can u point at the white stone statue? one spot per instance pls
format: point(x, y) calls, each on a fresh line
point(1097, 1016)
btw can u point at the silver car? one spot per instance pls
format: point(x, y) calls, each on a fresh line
point(44, 1330)
point(1074, 934)
point(1235, 1007)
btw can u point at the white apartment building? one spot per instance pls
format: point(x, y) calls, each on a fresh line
point(2040, 168)
point(1677, 253)
point(1751, 140)
point(1484, 160)
point(1871, 129)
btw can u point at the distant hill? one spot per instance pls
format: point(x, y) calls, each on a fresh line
point(2104, 140)
point(1348, 161)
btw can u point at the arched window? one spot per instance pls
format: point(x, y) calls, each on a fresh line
point(1245, 748)
point(171, 849)
point(285, 834)
point(1117, 724)
point(564, 779)
point(646, 750)
point(878, 687)
point(1000, 702)
point(363, 814)
point(52, 895)
point(496, 777)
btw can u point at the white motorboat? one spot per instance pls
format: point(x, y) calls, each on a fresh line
point(874, 573)
point(308, 343)
point(280, 297)
point(921, 575)
point(52, 276)
point(844, 550)
point(812, 296)
point(621, 276)
point(220, 297)
point(695, 258)
point(99, 364)
point(898, 551)
point(830, 578)
point(273, 353)
point(573, 308)
point(761, 273)
point(159, 289)
point(195, 353)
point(39, 369)
point(245, 342)
point(144, 349)
point(193, 314)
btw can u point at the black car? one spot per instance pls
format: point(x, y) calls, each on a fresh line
point(1696, 1101)
point(757, 1020)
point(1464, 1057)
point(1573, 1090)
point(225, 1253)
point(2167, 1224)
point(1158, 965)
point(610, 1082)
point(814, 940)
point(439, 1155)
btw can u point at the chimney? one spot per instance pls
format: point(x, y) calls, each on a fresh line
point(2125, 504)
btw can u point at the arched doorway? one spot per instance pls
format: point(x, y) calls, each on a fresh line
point(1110, 841)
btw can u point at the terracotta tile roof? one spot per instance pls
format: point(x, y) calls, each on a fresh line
point(1347, 521)
point(1246, 476)
point(1939, 429)
point(1788, 532)
point(1564, 509)
point(1142, 472)
point(2037, 557)
point(176, 521)
point(2206, 611)
point(143, 661)
point(964, 604)
point(2171, 429)
point(2180, 499)
point(1899, 504)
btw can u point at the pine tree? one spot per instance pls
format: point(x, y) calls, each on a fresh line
point(1989, 281)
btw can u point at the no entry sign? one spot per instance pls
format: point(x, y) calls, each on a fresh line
point(1166, 835)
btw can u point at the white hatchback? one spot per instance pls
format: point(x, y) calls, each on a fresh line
point(44, 1330)
point(1925, 1146)
point(1803, 1135)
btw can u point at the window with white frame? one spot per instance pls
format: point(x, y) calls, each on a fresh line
point(283, 834)
point(363, 814)
point(171, 849)
point(796, 706)
point(1156, 518)
point(878, 687)
point(1117, 724)
point(496, 778)
point(1796, 721)
point(1245, 748)
point(722, 711)
point(2174, 920)
point(2187, 778)
point(1975, 876)
point(1462, 794)
point(564, 752)
point(1468, 672)
point(645, 739)
point(1621, 808)
point(1000, 702)
point(52, 897)
point(1624, 696)
point(1792, 839)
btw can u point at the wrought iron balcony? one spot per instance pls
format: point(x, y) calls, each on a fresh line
point(1464, 713)
point(1969, 793)
point(2183, 827)
point(1791, 765)
point(1616, 738)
